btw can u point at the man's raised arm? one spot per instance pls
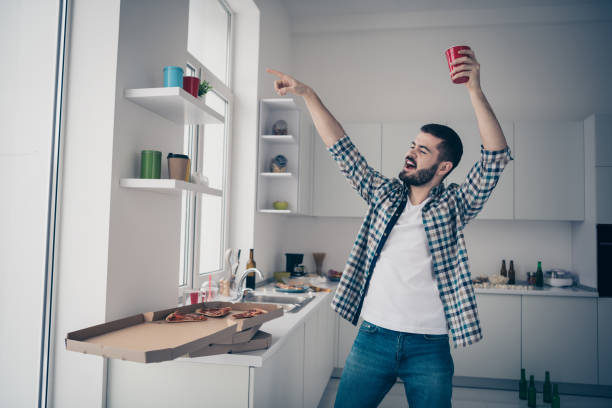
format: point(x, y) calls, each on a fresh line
point(328, 127)
point(490, 130)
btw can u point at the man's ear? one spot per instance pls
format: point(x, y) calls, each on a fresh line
point(445, 167)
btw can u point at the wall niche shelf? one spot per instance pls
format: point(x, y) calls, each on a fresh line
point(273, 175)
point(174, 104)
point(270, 211)
point(279, 138)
point(272, 186)
point(168, 186)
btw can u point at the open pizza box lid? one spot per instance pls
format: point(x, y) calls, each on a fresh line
point(149, 338)
point(260, 341)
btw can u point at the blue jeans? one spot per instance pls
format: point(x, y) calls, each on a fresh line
point(379, 356)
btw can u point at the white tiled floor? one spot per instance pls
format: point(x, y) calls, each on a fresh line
point(472, 398)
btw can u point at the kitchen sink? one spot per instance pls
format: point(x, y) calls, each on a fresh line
point(291, 304)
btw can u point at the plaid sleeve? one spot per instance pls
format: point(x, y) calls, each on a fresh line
point(480, 182)
point(353, 165)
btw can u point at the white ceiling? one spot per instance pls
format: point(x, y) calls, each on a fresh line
point(317, 8)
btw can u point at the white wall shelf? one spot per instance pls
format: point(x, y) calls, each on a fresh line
point(168, 186)
point(174, 104)
point(279, 138)
point(274, 175)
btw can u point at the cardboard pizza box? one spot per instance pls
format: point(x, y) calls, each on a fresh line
point(260, 341)
point(242, 336)
point(149, 338)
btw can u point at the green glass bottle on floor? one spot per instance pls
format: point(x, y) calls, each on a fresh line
point(547, 391)
point(556, 400)
point(531, 393)
point(523, 386)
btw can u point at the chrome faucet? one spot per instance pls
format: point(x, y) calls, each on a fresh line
point(240, 292)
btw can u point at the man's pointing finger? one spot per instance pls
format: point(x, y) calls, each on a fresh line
point(275, 72)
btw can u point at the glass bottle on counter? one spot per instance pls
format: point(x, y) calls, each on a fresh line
point(250, 279)
point(531, 393)
point(539, 276)
point(547, 390)
point(503, 271)
point(523, 386)
point(511, 274)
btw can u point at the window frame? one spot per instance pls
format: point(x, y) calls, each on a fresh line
point(192, 202)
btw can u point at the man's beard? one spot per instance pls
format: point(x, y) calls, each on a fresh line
point(419, 177)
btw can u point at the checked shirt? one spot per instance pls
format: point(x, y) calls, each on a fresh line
point(444, 217)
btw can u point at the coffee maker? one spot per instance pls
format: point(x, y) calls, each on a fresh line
point(294, 260)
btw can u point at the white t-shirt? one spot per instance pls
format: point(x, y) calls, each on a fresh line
point(403, 293)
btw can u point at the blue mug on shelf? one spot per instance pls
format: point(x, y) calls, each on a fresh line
point(173, 76)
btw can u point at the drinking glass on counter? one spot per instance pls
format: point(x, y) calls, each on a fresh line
point(209, 290)
point(191, 296)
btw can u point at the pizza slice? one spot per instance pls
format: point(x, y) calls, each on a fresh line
point(214, 311)
point(249, 313)
point(177, 317)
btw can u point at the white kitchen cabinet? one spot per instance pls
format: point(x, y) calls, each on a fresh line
point(560, 335)
point(500, 205)
point(317, 356)
point(603, 176)
point(346, 336)
point(331, 338)
point(133, 384)
point(604, 340)
point(549, 171)
point(603, 140)
point(305, 175)
point(280, 382)
point(498, 354)
point(332, 194)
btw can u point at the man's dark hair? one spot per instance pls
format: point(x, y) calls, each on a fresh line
point(451, 148)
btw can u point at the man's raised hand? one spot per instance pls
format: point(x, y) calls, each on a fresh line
point(285, 84)
point(469, 67)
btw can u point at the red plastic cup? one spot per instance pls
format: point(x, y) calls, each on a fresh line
point(452, 54)
point(194, 297)
point(191, 84)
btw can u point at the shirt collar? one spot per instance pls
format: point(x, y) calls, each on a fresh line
point(434, 192)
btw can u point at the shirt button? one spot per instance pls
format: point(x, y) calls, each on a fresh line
point(385, 234)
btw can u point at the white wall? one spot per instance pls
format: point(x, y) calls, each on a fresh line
point(145, 227)
point(79, 380)
point(29, 32)
point(540, 63)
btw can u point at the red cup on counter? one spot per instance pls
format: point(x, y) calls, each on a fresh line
point(192, 296)
point(191, 84)
point(452, 54)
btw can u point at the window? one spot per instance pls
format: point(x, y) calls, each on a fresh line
point(204, 218)
point(208, 34)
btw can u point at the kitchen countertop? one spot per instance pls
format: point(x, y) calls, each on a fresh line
point(576, 291)
point(279, 328)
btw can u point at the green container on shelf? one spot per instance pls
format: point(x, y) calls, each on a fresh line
point(150, 164)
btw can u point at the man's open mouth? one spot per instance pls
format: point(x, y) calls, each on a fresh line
point(409, 164)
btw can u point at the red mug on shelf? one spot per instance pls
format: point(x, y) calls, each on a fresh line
point(452, 54)
point(191, 84)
